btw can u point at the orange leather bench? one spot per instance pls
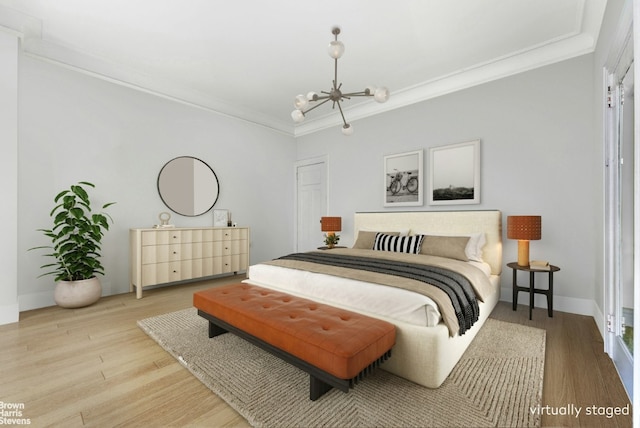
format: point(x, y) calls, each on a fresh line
point(336, 347)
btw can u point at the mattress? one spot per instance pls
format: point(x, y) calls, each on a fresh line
point(374, 299)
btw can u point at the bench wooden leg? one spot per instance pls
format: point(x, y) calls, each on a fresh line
point(215, 330)
point(317, 388)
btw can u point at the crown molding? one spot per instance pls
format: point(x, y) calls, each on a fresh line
point(19, 24)
point(128, 77)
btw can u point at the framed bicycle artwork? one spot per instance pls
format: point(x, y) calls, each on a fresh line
point(455, 174)
point(403, 179)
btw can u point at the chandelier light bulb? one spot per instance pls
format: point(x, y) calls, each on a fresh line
point(300, 102)
point(312, 96)
point(381, 95)
point(347, 129)
point(336, 49)
point(297, 116)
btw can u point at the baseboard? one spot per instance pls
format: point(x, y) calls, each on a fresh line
point(599, 318)
point(43, 299)
point(38, 300)
point(9, 313)
point(572, 305)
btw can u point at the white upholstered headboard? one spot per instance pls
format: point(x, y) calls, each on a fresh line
point(442, 222)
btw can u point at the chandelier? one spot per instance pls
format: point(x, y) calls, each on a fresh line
point(303, 104)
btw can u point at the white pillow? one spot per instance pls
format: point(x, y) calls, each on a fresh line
point(473, 250)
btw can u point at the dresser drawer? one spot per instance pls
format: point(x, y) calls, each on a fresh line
point(161, 237)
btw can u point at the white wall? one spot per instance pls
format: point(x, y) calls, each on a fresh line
point(9, 176)
point(539, 157)
point(76, 127)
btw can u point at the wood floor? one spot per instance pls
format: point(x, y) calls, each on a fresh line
point(94, 367)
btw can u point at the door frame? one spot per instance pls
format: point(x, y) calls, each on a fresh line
point(324, 159)
point(612, 71)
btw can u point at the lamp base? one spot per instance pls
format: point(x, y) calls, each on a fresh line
point(523, 253)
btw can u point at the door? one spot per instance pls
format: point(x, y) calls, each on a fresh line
point(620, 218)
point(311, 203)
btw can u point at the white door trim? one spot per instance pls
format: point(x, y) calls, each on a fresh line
point(304, 162)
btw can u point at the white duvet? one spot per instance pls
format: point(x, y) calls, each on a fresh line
point(396, 303)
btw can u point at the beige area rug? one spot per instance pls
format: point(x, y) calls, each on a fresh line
point(496, 383)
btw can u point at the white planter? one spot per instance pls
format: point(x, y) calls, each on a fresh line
point(76, 294)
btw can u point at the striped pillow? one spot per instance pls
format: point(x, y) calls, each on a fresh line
point(398, 244)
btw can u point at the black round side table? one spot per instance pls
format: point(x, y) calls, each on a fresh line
point(531, 288)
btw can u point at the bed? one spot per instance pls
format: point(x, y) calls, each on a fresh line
point(429, 342)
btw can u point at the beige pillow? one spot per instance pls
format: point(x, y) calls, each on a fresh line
point(366, 239)
point(476, 242)
point(451, 247)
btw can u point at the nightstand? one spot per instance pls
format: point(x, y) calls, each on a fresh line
point(327, 248)
point(531, 288)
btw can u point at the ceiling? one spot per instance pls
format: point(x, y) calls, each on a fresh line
point(250, 58)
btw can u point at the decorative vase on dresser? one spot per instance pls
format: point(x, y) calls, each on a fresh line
point(167, 255)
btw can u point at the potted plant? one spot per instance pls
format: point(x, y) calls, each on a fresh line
point(75, 243)
point(331, 239)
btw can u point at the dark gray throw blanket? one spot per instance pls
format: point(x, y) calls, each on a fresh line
point(455, 285)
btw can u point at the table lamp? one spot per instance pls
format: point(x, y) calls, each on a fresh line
point(331, 225)
point(524, 228)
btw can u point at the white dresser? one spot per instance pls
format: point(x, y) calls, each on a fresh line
point(160, 256)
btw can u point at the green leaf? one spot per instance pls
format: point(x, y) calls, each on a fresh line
point(77, 212)
point(59, 195)
point(81, 193)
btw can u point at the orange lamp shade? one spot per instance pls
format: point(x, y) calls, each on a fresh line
point(527, 227)
point(331, 224)
point(524, 228)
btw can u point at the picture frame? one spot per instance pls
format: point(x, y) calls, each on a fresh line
point(220, 217)
point(403, 179)
point(455, 174)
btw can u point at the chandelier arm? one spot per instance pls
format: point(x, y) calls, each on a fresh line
point(358, 94)
point(342, 114)
point(316, 106)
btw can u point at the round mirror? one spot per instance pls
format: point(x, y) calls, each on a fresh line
point(188, 186)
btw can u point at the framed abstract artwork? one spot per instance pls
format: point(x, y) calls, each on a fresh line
point(403, 179)
point(455, 174)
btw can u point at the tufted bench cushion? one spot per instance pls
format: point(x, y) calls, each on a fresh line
point(336, 341)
